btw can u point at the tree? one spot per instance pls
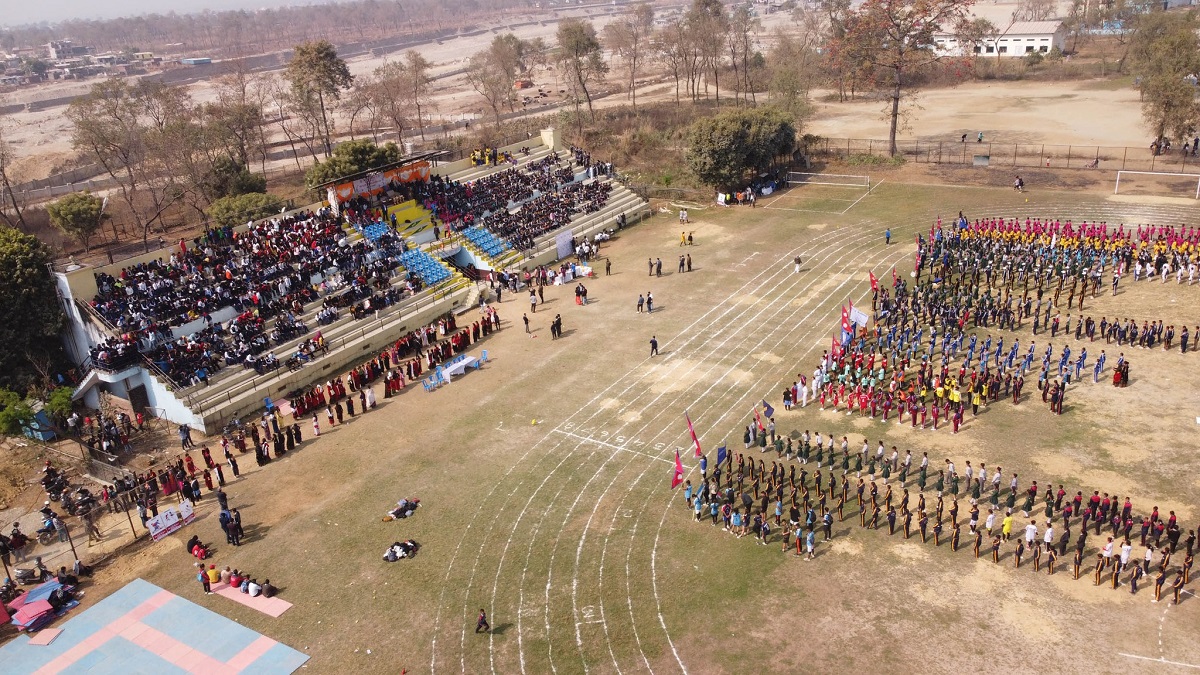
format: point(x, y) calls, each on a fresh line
point(79, 214)
point(228, 178)
point(352, 157)
point(724, 148)
point(1035, 10)
point(133, 132)
point(581, 56)
point(709, 25)
point(318, 76)
point(8, 196)
point(741, 37)
point(240, 209)
point(15, 413)
point(791, 66)
point(1163, 53)
point(895, 37)
point(30, 314)
point(418, 81)
point(628, 38)
point(490, 81)
point(973, 34)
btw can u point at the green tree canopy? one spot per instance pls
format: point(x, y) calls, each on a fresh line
point(1163, 52)
point(79, 215)
point(724, 148)
point(350, 158)
point(15, 413)
point(228, 178)
point(30, 315)
point(318, 76)
point(240, 209)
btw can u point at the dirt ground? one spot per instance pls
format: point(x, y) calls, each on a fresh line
point(544, 480)
point(1083, 113)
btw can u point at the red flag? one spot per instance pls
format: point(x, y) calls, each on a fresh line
point(677, 477)
point(692, 431)
point(894, 279)
point(837, 348)
point(846, 325)
point(874, 282)
point(758, 420)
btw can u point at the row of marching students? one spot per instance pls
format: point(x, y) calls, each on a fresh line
point(394, 364)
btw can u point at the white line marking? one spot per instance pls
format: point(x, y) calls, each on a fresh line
point(1160, 660)
point(622, 448)
point(856, 201)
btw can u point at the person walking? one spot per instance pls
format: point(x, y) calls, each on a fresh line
point(653, 345)
point(887, 237)
point(482, 625)
point(525, 319)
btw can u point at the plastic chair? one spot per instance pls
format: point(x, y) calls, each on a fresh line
point(425, 383)
point(269, 405)
point(483, 357)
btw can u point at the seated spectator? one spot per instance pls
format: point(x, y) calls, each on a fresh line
point(253, 588)
point(268, 591)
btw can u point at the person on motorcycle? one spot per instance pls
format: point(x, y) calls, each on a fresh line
point(17, 541)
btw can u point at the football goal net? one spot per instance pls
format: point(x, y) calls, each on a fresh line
point(1158, 183)
point(843, 180)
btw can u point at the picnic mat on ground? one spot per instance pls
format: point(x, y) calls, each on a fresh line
point(270, 606)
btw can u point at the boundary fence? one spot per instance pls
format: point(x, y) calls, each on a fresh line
point(1012, 155)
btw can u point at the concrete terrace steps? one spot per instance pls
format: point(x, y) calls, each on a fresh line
point(345, 328)
point(536, 152)
point(231, 372)
point(357, 345)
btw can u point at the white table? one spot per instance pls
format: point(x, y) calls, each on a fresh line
point(458, 368)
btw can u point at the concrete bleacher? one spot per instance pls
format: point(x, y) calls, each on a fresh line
point(235, 391)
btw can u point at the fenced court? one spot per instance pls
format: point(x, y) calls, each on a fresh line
point(820, 192)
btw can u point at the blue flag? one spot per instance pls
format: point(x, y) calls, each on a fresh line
point(722, 455)
point(767, 409)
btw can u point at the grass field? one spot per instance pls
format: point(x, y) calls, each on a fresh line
point(544, 481)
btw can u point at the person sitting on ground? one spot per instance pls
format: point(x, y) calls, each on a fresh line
point(235, 579)
point(197, 548)
point(214, 576)
point(225, 574)
point(65, 578)
point(245, 587)
point(401, 549)
point(253, 588)
point(268, 591)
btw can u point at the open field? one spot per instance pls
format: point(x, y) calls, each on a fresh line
point(544, 481)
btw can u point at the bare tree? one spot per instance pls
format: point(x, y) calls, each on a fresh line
point(628, 38)
point(490, 81)
point(10, 207)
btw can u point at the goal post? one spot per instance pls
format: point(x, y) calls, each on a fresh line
point(843, 180)
point(1192, 178)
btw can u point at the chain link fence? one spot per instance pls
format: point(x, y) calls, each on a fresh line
point(972, 152)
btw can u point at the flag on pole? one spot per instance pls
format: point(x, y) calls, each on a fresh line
point(677, 477)
point(847, 327)
point(895, 279)
point(837, 348)
point(874, 282)
point(722, 455)
point(758, 420)
point(767, 409)
point(692, 431)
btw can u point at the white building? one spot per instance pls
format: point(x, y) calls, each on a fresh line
point(1023, 37)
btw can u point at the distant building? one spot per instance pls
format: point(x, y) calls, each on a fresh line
point(64, 49)
point(196, 61)
point(1023, 37)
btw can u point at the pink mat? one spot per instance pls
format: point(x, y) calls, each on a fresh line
point(269, 606)
point(45, 636)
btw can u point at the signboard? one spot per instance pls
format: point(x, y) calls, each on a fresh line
point(563, 246)
point(169, 520)
point(858, 317)
point(375, 182)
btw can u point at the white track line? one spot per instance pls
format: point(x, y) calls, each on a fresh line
point(636, 370)
point(496, 485)
point(719, 380)
point(587, 439)
point(737, 405)
point(837, 246)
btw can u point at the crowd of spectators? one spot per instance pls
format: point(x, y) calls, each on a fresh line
point(275, 269)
